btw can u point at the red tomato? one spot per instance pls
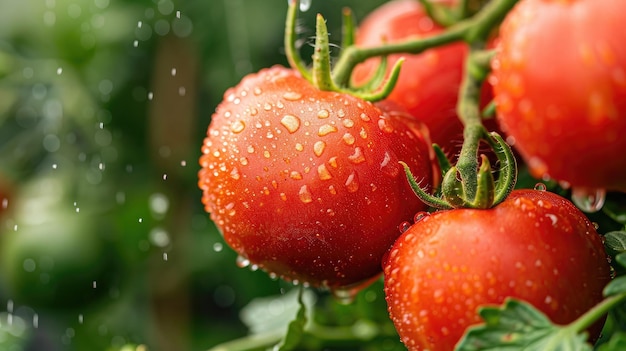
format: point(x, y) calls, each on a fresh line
point(535, 246)
point(428, 85)
point(306, 184)
point(560, 87)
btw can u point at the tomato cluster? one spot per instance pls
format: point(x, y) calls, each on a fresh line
point(306, 184)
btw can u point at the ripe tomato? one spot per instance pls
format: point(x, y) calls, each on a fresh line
point(428, 85)
point(536, 246)
point(560, 88)
point(306, 184)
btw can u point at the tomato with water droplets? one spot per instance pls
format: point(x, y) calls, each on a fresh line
point(535, 246)
point(306, 184)
point(428, 85)
point(559, 80)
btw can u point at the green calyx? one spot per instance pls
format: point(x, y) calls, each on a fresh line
point(321, 74)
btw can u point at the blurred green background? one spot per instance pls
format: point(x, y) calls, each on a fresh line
point(103, 108)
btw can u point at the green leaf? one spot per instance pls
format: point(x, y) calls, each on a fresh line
point(615, 241)
point(617, 286)
point(517, 325)
point(616, 343)
point(295, 331)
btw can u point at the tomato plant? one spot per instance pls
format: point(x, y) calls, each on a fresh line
point(560, 89)
point(428, 85)
point(536, 246)
point(305, 183)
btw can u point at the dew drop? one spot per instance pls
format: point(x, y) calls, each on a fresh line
point(352, 183)
point(540, 187)
point(348, 123)
point(291, 122)
point(588, 200)
point(237, 127)
point(326, 129)
point(348, 139)
point(404, 226)
point(266, 154)
point(323, 114)
point(299, 147)
point(318, 148)
point(323, 172)
point(242, 262)
point(59, 70)
point(305, 195)
point(420, 216)
point(292, 96)
point(384, 125)
point(357, 157)
point(295, 175)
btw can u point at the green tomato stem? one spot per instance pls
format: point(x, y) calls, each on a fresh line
point(595, 313)
point(291, 51)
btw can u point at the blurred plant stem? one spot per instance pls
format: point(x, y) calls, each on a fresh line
point(171, 120)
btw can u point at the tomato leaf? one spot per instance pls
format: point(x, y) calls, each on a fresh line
point(616, 343)
point(295, 330)
point(517, 325)
point(615, 241)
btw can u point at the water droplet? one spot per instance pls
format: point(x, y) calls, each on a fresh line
point(348, 123)
point(299, 147)
point(242, 262)
point(404, 226)
point(59, 70)
point(352, 183)
point(136, 43)
point(291, 122)
point(326, 129)
point(318, 148)
point(357, 157)
point(173, 72)
point(420, 216)
point(80, 319)
point(540, 187)
point(237, 127)
point(292, 96)
point(305, 195)
point(323, 114)
point(384, 125)
point(323, 172)
point(266, 154)
point(250, 149)
point(305, 5)
point(217, 247)
point(363, 133)
point(588, 200)
point(348, 139)
point(333, 162)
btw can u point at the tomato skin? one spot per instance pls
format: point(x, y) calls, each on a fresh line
point(306, 184)
point(559, 81)
point(536, 246)
point(428, 85)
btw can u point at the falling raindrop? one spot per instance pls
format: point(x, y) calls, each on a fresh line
point(588, 200)
point(217, 247)
point(136, 43)
point(95, 285)
point(305, 5)
point(35, 321)
point(80, 319)
point(59, 70)
point(173, 72)
point(165, 256)
point(150, 95)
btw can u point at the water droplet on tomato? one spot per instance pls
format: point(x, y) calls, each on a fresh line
point(404, 226)
point(292, 96)
point(318, 148)
point(357, 157)
point(323, 172)
point(326, 129)
point(235, 174)
point(540, 187)
point(352, 183)
point(295, 175)
point(266, 154)
point(588, 200)
point(237, 127)
point(349, 139)
point(299, 147)
point(323, 114)
point(385, 126)
point(291, 122)
point(242, 262)
point(420, 216)
point(305, 195)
